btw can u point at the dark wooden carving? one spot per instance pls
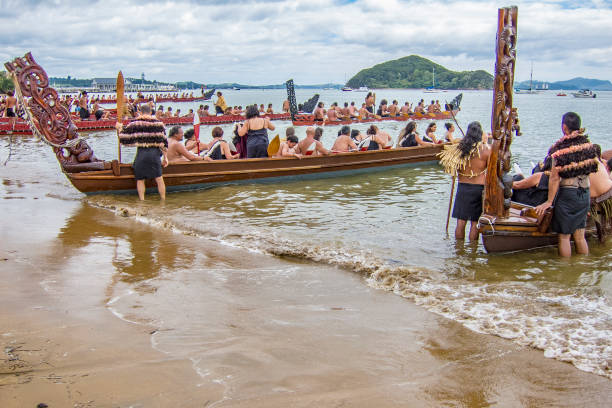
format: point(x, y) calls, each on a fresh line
point(291, 97)
point(311, 104)
point(50, 117)
point(504, 118)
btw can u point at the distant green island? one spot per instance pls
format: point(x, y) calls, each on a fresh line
point(418, 72)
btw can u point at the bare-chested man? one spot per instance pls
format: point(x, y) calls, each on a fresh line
point(394, 109)
point(319, 112)
point(369, 102)
point(10, 109)
point(332, 113)
point(344, 143)
point(468, 200)
point(345, 112)
point(303, 145)
point(353, 112)
point(406, 110)
point(286, 106)
point(177, 151)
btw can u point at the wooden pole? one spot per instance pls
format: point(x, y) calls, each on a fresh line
point(120, 109)
point(450, 203)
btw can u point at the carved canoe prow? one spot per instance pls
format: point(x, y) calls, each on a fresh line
point(49, 119)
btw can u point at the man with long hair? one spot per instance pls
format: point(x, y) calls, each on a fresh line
point(474, 156)
point(573, 159)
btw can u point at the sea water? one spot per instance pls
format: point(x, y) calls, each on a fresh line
point(388, 227)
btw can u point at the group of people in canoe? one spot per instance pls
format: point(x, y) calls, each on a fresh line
point(249, 140)
point(573, 179)
point(366, 111)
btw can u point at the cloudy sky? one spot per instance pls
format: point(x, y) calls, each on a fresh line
point(312, 41)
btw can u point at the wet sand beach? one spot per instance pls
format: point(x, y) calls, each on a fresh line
point(100, 310)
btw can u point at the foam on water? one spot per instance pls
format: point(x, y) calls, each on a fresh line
point(569, 324)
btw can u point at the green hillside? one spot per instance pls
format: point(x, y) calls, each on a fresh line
point(416, 72)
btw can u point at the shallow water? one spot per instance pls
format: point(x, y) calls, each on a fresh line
point(387, 226)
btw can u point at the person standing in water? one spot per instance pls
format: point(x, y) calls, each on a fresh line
point(148, 135)
point(574, 158)
point(475, 153)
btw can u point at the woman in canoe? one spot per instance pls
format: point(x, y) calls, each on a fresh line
point(255, 130)
point(409, 137)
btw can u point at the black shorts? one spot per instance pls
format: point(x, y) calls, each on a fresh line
point(83, 113)
point(571, 208)
point(468, 202)
point(10, 113)
point(147, 163)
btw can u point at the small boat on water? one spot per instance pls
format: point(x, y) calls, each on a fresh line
point(346, 89)
point(561, 94)
point(584, 93)
point(362, 89)
point(53, 124)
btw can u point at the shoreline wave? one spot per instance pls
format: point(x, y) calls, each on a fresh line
point(566, 325)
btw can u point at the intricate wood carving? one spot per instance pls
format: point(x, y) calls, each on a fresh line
point(504, 118)
point(51, 118)
point(291, 97)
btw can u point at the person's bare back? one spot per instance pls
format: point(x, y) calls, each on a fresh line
point(344, 143)
point(475, 170)
point(600, 181)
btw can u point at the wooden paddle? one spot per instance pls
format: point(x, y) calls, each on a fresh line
point(273, 146)
point(120, 108)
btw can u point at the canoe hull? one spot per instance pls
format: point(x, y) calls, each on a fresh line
point(200, 174)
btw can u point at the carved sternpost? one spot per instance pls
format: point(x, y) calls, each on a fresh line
point(504, 118)
point(291, 97)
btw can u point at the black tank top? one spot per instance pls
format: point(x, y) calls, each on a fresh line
point(409, 141)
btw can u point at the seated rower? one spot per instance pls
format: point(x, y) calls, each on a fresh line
point(431, 108)
point(286, 106)
point(394, 109)
point(383, 111)
point(262, 109)
point(219, 148)
point(344, 143)
point(177, 152)
point(601, 197)
point(345, 113)
point(332, 114)
point(450, 130)
point(353, 112)
point(191, 144)
point(168, 113)
point(201, 110)
point(420, 109)
point(189, 114)
point(269, 111)
point(437, 107)
point(177, 114)
point(310, 145)
point(357, 136)
point(205, 112)
point(406, 109)
point(409, 137)
point(379, 139)
point(319, 112)
point(159, 114)
point(532, 190)
point(430, 133)
point(287, 148)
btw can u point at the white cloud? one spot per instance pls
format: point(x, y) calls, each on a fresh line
point(312, 41)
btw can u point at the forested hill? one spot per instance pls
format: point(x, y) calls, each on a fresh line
point(416, 72)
